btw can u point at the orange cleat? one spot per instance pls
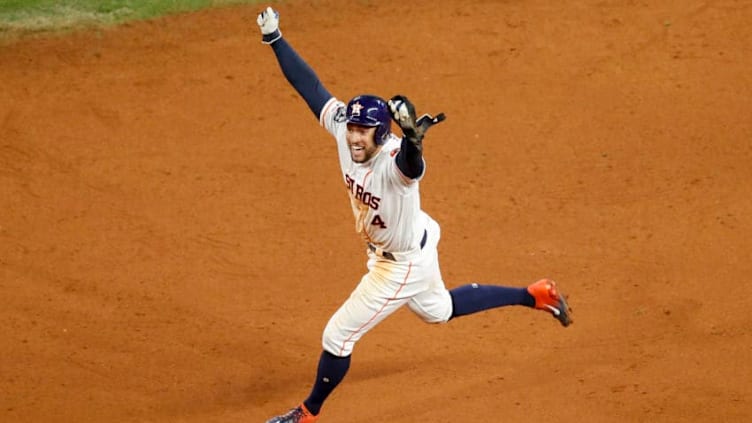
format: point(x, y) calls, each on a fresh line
point(299, 414)
point(547, 298)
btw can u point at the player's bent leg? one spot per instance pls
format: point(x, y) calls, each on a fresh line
point(542, 295)
point(432, 306)
point(370, 303)
point(474, 298)
point(373, 300)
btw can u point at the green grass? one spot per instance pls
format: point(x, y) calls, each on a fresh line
point(34, 16)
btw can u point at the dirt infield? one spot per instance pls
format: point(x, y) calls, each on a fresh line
point(174, 237)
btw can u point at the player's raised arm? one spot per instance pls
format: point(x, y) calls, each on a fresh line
point(295, 69)
point(410, 158)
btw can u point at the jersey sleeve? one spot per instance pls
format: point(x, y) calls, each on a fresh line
point(332, 116)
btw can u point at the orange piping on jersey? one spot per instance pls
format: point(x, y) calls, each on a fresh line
point(392, 298)
point(366, 177)
point(365, 230)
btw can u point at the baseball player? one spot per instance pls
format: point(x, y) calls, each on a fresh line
point(381, 173)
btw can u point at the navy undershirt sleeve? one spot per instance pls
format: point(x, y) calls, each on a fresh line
point(301, 76)
point(410, 159)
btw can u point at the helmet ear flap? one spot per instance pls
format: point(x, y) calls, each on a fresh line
point(382, 132)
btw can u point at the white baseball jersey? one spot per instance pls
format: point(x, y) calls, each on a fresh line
point(386, 206)
point(385, 203)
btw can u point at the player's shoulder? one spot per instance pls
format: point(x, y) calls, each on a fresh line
point(334, 111)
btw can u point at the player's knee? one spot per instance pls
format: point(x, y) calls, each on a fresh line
point(435, 320)
point(434, 315)
point(334, 342)
point(434, 311)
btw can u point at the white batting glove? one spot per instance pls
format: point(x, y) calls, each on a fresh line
point(268, 22)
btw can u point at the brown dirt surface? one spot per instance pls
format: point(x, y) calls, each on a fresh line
point(174, 237)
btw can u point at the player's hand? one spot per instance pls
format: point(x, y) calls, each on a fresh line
point(268, 22)
point(403, 112)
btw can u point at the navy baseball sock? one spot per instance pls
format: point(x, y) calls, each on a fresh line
point(469, 299)
point(332, 370)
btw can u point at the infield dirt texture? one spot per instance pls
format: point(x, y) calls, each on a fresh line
point(174, 234)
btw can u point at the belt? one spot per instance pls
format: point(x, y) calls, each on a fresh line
point(389, 256)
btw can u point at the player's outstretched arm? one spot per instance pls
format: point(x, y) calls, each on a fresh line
point(295, 69)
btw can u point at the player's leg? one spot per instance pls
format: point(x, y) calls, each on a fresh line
point(437, 304)
point(437, 301)
point(434, 303)
point(380, 293)
point(384, 289)
point(473, 298)
point(440, 305)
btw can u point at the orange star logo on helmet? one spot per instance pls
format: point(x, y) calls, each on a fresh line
point(356, 108)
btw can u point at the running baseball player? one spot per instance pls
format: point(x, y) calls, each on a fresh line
point(381, 173)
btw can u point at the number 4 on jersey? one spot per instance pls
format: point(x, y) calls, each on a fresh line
point(378, 222)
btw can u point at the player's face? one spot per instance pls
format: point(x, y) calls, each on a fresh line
point(361, 142)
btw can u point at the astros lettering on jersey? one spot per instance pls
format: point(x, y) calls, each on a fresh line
point(380, 195)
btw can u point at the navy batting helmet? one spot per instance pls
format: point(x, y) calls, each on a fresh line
point(370, 110)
